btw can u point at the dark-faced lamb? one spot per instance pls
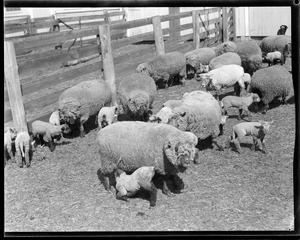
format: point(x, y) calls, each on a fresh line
point(24, 148)
point(129, 185)
point(272, 58)
point(9, 136)
point(242, 103)
point(129, 145)
point(282, 29)
point(257, 130)
point(165, 69)
point(78, 103)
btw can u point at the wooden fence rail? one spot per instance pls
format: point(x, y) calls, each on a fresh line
point(41, 91)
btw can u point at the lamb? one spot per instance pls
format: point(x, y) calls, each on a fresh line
point(136, 94)
point(24, 147)
point(128, 185)
point(225, 76)
point(54, 118)
point(282, 30)
point(251, 56)
point(272, 57)
point(225, 59)
point(163, 116)
point(242, 103)
point(225, 47)
point(9, 136)
point(281, 43)
point(257, 130)
point(172, 103)
point(129, 145)
point(45, 131)
point(270, 83)
point(197, 58)
point(164, 69)
point(107, 116)
point(78, 103)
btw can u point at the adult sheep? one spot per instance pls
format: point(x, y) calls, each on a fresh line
point(78, 103)
point(196, 58)
point(225, 47)
point(136, 94)
point(281, 43)
point(270, 83)
point(130, 145)
point(251, 56)
point(225, 59)
point(165, 69)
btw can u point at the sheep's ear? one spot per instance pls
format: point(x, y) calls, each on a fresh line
point(170, 153)
point(182, 114)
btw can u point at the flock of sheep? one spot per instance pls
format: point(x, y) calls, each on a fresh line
point(167, 142)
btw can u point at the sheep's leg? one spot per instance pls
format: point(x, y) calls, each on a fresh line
point(166, 189)
point(106, 183)
point(245, 108)
point(227, 142)
point(18, 153)
point(119, 196)
point(240, 113)
point(237, 145)
point(153, 192)
point(264, 149)
point(254, 143)
point(221, 148)
point(10, 152)
point(81, 128)
point(27, 157)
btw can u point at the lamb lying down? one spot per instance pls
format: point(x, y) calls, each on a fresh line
point(128, 185)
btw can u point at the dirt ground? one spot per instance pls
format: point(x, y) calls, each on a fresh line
point(225, 191)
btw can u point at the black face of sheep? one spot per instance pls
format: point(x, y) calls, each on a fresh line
point(282, 30)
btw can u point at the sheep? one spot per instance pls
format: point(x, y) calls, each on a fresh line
point(197, 58)
point(270, 83)
point(225, 59)
point(45, 131)
point(128, 185)
point(282, 29)
point(272, 57)
point(225, 76)
point(164, 69)
point(281, 43)
point(107, 116)
point(129, 145)
point(251, 56)
point(242, 103)
point(257, 130)
point(54, 118)
point(78, 103)
point(136, 94)
point(172, 103)
point(199, 113)
point(24, 146)
point(163, 116)
point(224, 48)
point(9, 136)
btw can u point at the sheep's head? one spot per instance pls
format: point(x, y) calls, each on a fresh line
point(203, 68)
point(69, 110)
point(255, 62)
point(255, 97)
point(265, 126)
point(65, 128)
point(204, 79)
point(143, 68)
point(138, 103)
point(12, 132)
point(179, 118)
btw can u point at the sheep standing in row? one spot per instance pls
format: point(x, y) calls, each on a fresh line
point(107, 116)
point(225, 59)
point(242, 103)
point(251, 56)
point(270, 83)
point(128, 185)
point(47, 132)
point(225, 47)
point(224, 77)
point(136, 94)
point(272, 57)
point(197, 58)
point(9, 136)
point(162, 146)
point(24, 148)
point(55, 118)
point(78, 103)
point(165, 69)
point(257, 130)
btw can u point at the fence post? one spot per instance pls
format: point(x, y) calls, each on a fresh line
point(234, 24)
point(158, 35)
point(107, 59)
point(175, 23)
point(196, 29)
point(13, 87)
point(107, 19)
point(224, 24)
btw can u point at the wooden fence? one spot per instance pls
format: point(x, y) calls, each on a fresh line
point(41, 91)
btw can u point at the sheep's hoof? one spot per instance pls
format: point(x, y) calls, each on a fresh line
point(168, 193)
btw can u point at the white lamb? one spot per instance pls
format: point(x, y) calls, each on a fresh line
point(9, 136)
point(257, 130)
point(163, 116)
point(128, 185)
point(107, 116)
point(242, 103)
point(54, 118)
point(223, 77)
point(273, 57)
point(24, 147)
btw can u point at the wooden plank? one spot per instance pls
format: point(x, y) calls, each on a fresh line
point(234, 25)
point(175, 22)
point(22, 27)
point(158, 35)
point(196, 29)
point(90, 17)
point(224, 24)
point(13, 86)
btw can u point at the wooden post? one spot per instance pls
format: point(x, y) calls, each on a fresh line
point(225, 24)
point(196, 29)
point(13, 87)
point(107, 19)
point(107, 60)
point(158, 36)
point(175, 23)
point(234, 24)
